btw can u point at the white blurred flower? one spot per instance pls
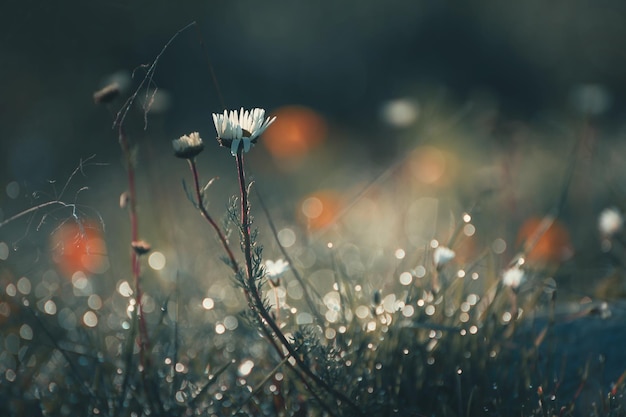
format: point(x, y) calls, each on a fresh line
point(400, 112)
point(442, 255)
point(240, 127)
point(188, 146)
point(610, 222)
point(513, 277)
point(591, 98)
point(275, 270)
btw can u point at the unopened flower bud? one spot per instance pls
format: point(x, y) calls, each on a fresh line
point(188, 146)
point(141, 247)
point(124, 199)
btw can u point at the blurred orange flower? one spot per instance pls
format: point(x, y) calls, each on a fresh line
point(79, 247)
point(296, 131)
point(429, 165)
point(547, 247)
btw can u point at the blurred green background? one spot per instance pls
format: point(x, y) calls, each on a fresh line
point(343, 58)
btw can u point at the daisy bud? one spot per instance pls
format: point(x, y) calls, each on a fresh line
point(141, 247)
point(188, 146)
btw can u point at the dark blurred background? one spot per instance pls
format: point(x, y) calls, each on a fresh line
point(342, 58)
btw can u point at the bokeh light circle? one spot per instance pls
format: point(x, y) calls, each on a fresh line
point(296, 131)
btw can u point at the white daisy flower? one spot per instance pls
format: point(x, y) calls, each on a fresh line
point(610, 222)
point(442, 255)
point(188, 146)
point(240, 127)
point(513, 277)
point(275, 270)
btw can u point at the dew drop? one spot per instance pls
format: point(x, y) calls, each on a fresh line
point(13, 190)
point(10, 375)
point(50, 307)
point(90, 319)
point(286, 237)
point(406, 278)
point(26, 332)
point(245, 368)
point(124, 289)
point(23, 285)
point(208, 303)
point(156, 260)
point(11, 290)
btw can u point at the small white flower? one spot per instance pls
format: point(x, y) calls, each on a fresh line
point(275, 270)
point(240, 127)
point(188, 146)
point(610, 222)
point(513, 277)
point(442, 255)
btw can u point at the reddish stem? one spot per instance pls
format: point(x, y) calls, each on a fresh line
point(252, 295)
point(207, 216)
point(233, 263)
point(245, 221)
point(144, 341)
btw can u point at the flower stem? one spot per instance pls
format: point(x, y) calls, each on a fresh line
point(144, 341)
point(207, 216)
point(245, 221)
point(143, 338)
point(233, 262)
point(256, 296)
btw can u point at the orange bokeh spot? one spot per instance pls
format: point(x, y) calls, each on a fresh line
point(320, 209)
point(79, 247)
point(430, 165)
point(296, 131)
point(550, 248)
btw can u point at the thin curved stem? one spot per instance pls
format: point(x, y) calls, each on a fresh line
point(134, 236)
point(33, 209)
point(233, 263)
point(256, 297)
point(143, 338)
point(207, 216)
